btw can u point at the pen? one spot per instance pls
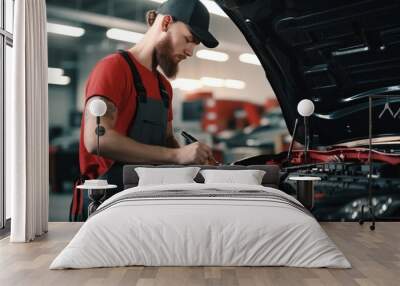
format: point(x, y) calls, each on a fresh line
point(192, 139)
point(188, 137)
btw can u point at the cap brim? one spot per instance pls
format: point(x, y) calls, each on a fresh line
point(205, 37)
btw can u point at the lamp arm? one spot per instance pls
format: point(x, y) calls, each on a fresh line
point(289, 154)
point(100, 131)
point(98, 135)
point(306, 139)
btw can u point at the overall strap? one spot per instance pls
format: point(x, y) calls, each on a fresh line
point(163, 91)
point(139, 84)
point(140, 90)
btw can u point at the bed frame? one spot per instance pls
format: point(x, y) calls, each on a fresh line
point(270, 179)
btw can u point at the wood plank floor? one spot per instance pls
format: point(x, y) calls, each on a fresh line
point(375, 257)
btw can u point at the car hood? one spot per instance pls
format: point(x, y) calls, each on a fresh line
point(335, 53)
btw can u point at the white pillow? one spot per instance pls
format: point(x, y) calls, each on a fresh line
point(162, 176)
point(248, 177)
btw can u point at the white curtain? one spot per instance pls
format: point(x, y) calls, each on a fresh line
point(27, 173)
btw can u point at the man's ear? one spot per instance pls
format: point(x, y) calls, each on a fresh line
point(166, 22)
point(151, 17)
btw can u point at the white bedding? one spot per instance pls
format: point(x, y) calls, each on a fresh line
point(183, 231)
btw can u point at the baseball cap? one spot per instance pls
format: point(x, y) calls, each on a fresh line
point(194, 14)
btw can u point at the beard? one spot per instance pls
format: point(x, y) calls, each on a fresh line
point(163, 57)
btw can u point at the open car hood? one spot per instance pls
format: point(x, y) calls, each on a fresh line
point(335, 53)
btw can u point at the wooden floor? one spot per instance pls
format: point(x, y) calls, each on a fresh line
point(375, 257)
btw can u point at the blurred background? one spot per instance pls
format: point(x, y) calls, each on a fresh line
point(221, 96)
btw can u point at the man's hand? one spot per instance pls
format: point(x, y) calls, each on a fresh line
point(195, 153)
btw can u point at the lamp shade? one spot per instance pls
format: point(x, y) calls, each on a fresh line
point(305, 107)
point(97, 107)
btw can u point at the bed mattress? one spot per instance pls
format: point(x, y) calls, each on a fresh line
point(201, 225)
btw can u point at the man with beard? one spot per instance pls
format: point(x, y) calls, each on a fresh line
point(138, 121)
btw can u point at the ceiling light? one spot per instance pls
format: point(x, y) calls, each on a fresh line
point(212, 81)
point(124, 35)
point(249, 59)
point(62, 80)
point(186, 84)
point(65, 30)
point(235, 84)
point(55, 76)
point(212, 55)
point(211, 6)
point(55, 72)
point(193, 84)
point(218, 82)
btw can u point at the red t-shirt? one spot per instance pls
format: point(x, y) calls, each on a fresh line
point(112, 78)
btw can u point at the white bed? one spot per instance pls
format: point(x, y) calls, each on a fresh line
point(222, 225)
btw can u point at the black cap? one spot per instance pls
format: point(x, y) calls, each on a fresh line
point(194, 14)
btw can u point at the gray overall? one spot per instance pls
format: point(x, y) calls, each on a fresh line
point(149, 124)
